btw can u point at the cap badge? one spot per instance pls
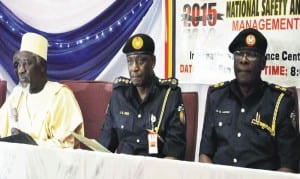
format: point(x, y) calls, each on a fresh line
point(250, 40)
point(137, 43)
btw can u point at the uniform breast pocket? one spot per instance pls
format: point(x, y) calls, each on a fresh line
point(222, 123)
point(124, 124)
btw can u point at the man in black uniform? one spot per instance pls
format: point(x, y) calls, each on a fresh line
point(248, 122)
point(145, 115)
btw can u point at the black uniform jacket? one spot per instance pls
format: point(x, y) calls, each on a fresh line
point(256, 132)
point(127, 121)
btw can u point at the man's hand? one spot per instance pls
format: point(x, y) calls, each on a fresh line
point(204, 158)
point(284, 169)
point(15, 131)
point(171, 158)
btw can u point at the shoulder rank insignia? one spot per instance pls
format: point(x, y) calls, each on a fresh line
point(219, 85)
point(172, 82)
point(280, 88)
point(121, 81)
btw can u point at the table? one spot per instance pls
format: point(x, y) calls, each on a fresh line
point(34, 162)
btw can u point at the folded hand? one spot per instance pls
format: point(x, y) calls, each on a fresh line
point(15, 131)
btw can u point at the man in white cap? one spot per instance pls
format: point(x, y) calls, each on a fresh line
point(39, 111)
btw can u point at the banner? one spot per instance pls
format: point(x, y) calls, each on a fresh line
point(204, 30)
point(85, 37)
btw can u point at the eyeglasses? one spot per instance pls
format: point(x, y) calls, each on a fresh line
point(250, 55)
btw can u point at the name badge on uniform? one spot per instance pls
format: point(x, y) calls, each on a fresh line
point(152, 143)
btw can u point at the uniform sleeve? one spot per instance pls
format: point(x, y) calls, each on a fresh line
point(65, 116)
point(287, 137)
point(207, 144)
point(175, 129)
point(108, 136)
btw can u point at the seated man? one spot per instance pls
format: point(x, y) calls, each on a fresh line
point(248, 122)
point(145, 115)
point(39, 111)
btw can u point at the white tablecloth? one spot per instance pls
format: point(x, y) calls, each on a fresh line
point(34, 162)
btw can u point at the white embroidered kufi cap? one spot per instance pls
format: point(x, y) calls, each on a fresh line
point(35, 43)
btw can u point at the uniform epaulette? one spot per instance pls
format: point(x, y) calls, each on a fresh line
point(280, 88)
point(172, 82)
point(121, 81)
point(219, 85)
